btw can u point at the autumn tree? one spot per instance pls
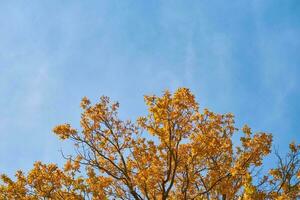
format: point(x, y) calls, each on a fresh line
point(175, 152)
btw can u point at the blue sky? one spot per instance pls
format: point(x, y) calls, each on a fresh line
point(240, 57)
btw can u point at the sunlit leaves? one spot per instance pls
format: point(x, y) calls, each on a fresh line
point(176, 151)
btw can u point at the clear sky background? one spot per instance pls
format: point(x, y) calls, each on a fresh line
point(236, 56)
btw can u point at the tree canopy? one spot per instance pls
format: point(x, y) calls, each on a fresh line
point(176, 151)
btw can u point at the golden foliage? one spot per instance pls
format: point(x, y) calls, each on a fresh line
point(175, 152)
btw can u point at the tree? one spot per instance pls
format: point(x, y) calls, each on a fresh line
point(175, 152)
